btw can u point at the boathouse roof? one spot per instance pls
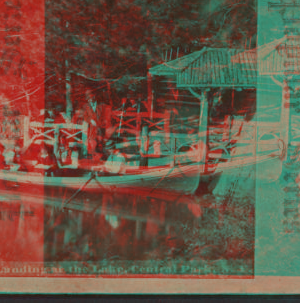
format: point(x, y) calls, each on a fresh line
point(274, 58)
point(210, 67)
point(226, 67)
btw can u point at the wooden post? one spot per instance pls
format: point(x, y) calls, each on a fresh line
point(84, 138)
point(26, 126)
point(138, 121)
point(203, 127)
point(56, 136)
point(150, 95)
point(173, 149)
point(144, 146)
point(138, 229)
point(151, 105)
point(285, 115)
point(226, 133)
point(68, 92)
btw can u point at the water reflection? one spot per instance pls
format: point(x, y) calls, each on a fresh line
point(128, 228)
point(132, 227)
point(21, 233)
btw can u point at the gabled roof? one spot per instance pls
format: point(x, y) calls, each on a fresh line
point(279, 56)
point(210, 67)
point(261, 52)
point(174, 66)
point(215, 68)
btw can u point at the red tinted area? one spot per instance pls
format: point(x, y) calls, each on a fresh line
point(21, 91)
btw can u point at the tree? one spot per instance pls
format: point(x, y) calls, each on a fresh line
point(233, 24)
point(115, 40)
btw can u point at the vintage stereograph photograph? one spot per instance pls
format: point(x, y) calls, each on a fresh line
point(149, 140)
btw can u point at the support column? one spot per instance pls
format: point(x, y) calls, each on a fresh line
point(203, 123)
point(68, 92)
point(138, 229)
point(144, 146)
point(203, 126)
point(84, 132)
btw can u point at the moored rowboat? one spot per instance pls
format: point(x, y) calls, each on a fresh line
point(183, 179)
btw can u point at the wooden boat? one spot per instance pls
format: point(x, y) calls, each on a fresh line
point(184, 173)
point(163, 180)
point(183, 179)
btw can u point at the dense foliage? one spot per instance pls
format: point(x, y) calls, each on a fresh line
point(118, 39)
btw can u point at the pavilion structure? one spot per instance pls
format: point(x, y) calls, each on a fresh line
point(235, 70)
point(227, 71)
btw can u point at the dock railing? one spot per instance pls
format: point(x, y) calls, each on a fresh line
point(49, 133)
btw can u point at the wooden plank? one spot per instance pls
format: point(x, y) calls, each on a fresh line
point(190, 74)
point(212, 62)
point(203, 75)
point(216, 66)
point(235, 73)
point(186, 76)
point(54, 125)
point(210, 68)
point(254, 68)
point(222, 61)
point(229, 71)
point(194, 70)
point(198, 71)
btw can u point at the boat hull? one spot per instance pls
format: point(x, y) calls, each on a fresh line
point(183, 180)
point(159, 182)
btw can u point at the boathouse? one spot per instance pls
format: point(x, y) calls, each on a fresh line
point(224, 89)
point(227, 83)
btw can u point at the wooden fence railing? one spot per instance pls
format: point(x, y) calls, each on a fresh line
point(49, 133)
point(131, 122)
